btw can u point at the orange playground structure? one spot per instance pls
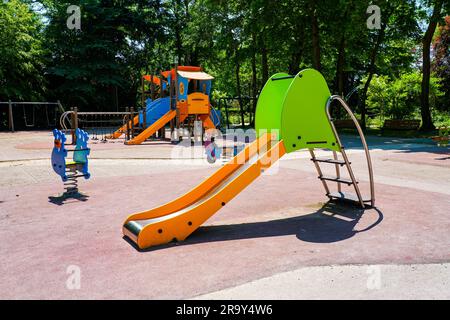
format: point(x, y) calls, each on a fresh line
point(179, 97)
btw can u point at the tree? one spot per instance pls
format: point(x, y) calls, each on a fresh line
point(21, 52)
point(398, 21)
point(427, 122)
point(107, 55)
point(441, 63)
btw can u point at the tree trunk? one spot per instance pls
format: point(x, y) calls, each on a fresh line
point(297, 52)
point(315, 35)
point(340, 67)
point(427, 122)
point(254, 87)
point(264, 62)
point(238, 85)
point(177, 29)
point(371, 70)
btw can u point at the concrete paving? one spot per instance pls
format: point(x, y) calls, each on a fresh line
point(277, 230)
point(361, 282)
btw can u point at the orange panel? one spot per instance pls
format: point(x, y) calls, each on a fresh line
point(207, 122)
point(198, 103)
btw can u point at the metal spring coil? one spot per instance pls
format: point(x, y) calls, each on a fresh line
point(71, 185)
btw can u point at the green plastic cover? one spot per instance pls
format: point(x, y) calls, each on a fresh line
point(270, 103)
point(304, 122)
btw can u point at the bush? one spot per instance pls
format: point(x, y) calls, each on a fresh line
point(400, 98)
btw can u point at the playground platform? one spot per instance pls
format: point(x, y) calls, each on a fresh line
point(266, 243)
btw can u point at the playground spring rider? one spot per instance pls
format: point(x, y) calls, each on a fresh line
point(70, 171)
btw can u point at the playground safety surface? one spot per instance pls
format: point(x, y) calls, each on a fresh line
point(281, 222)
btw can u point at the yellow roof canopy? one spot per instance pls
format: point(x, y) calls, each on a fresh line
point(195, 75)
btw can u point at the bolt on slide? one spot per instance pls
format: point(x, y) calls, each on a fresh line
point(292, 114)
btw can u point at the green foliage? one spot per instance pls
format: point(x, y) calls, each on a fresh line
point(21, 52)
point(400, 98)
point(239, 42)
point(107, 56)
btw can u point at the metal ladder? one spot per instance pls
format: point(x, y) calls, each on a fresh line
point(339, 163)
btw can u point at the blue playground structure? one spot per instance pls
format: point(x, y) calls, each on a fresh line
point(71, 170)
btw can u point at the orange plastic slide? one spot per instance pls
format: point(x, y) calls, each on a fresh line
point(161, 122)
point(119, 132)
point(177, 219)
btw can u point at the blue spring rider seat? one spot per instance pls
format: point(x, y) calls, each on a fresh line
point(71, 170)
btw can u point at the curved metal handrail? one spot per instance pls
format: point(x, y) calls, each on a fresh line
point(63, 118)
point(363, 140)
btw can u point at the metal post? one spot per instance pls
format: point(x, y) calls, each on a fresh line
point(61, 108)
point(226, 113)
point(152, 87)
point(144, 107)
point(128, 124)
point(11, 117)
point(176, 99)
point(132, 122)
point(74, 125)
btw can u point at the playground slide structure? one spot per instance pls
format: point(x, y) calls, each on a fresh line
point(189, 96)
point(154, 111)
point(153, 128)
point(293, 113)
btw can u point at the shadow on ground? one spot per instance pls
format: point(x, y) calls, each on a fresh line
point(332, 223)
point(67, 198)
point(403, 145)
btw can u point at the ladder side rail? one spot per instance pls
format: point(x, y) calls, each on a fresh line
point(363, 140)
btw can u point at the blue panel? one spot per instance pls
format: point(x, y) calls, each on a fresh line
point(155, 110)
point(81, 156)
point(59, 154)
point(216, 117)
point(205, 87)
point(183, 86)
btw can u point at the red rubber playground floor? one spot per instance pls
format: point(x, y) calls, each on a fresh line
point(281, 222)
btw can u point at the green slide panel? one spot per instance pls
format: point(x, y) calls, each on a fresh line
point(305, 124)
point(270, 103)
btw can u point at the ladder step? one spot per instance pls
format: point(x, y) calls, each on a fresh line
point(346, 196)
point(329, 160)
point(341, 180)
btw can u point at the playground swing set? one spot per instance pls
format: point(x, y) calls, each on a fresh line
point(32, 112)
point(292, 113)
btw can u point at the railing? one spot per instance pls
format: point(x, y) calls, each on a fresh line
point(94, 122)
point(361, 135)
